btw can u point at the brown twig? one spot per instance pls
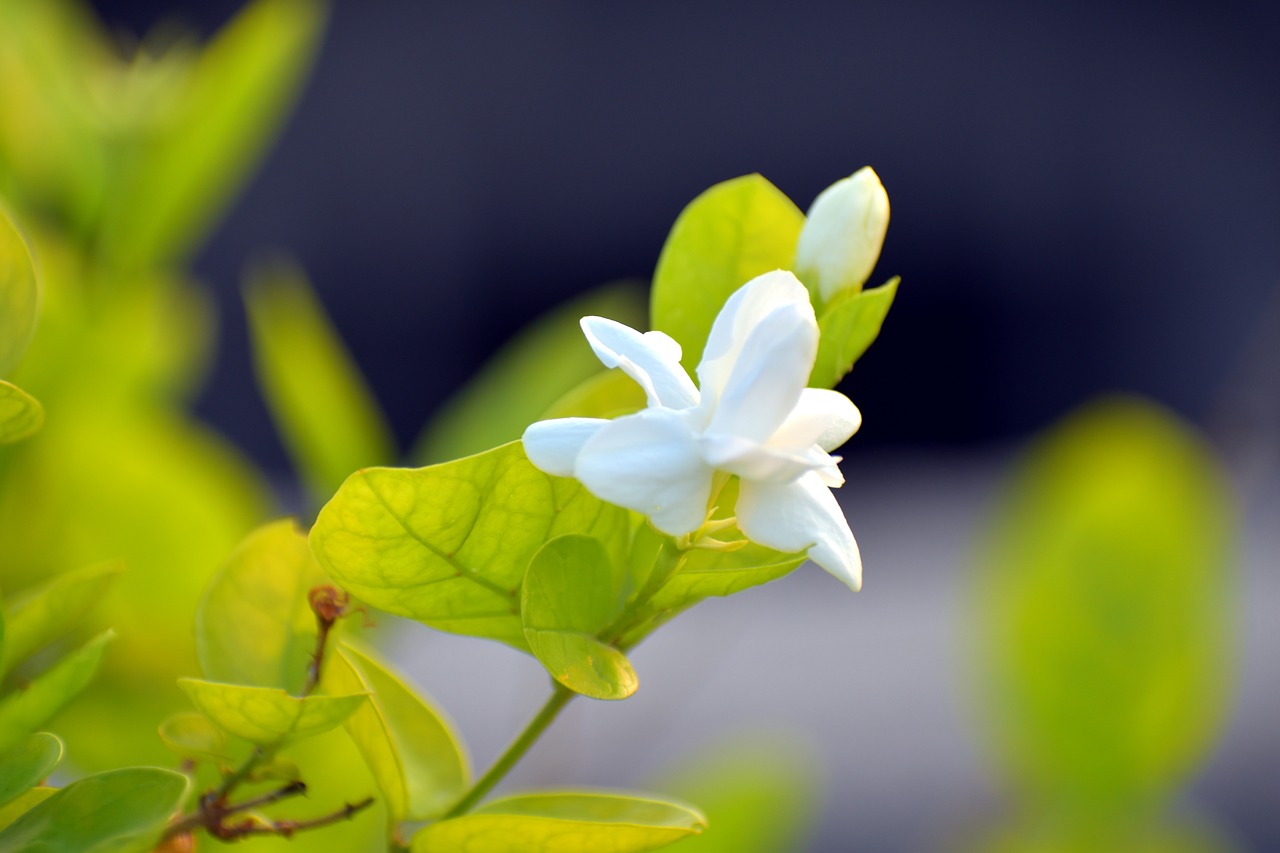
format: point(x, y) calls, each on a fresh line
point(286, 828)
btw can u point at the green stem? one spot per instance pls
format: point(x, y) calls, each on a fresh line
point(549, 711)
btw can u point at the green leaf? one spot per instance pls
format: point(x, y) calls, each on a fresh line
point(194, 737)
point(25, 710)
point(255, 625)
point(608, 394)
point(230, 107)
point(849, 326)
point(564, 823)
point(264, 715)
point(122, 811)
point(52, 610)
point(26, 766)
point(21, 415)
point(448, 545)
point(546, 360)
point(24, 803)
point(320, 402)
point(727, 236)
point(1105, 595)
point(19, 299)
point(412, 750)
point(572, 592)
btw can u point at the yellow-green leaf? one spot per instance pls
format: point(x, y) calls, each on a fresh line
point(727, 236)
point(40, 616)
point(23, 711)
point(412, 750)
point(24, 803)
point(19, 298)
point(255, 625)
point(572, 592)
point(608, 394)
point(21, 415)
point(448, 545)
point(32, 761)
point(264, 715)
point(849, 326)
point(564, 823)
point(194, 737)
point(320, 402)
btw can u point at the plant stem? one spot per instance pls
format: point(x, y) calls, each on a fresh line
point(549, 711)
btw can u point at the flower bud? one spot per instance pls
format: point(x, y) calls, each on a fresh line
point(841, 238)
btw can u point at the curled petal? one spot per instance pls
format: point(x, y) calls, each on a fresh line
point(752, 461)
point(821, 417)
point(552, 446)
point(798, 516)
point(649, 462)
point(651, 358)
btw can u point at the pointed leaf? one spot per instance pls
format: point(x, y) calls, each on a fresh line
point(52, 610)
point(264, 715)
point(849, 326)
point(25, 710)
point(448, 545)
point(27, 766)
point(320, 402)
point(572, 592)
point(254, 625)
point(412, 750)
point(194, 737)
point(564, 823)
point(608, 394)
point(21, 415)
point(19, 300)
point(727, 236)
point(122, 811)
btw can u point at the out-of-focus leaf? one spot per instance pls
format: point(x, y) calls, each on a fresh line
point(849, 325)
point(24, 803)
point(606, 395)
point(194, 737)
point(25, 710)
point(255, 625)
point(27, 765)
point(19, 296)
point(548, 359)
point(21, 415)
point(448, 545)
point(727, 236)
point(264, 715)
point(321, 404)
point(224, 116)
point(411, 748)
point(572, 592)
point(564, 823)
point(122, 811)
point(1103, 596)
point(52, 610)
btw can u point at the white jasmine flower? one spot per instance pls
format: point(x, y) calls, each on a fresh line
point(843, 233)
point(752, 416)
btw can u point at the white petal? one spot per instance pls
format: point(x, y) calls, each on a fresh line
point(552, 446)
point(843, 234)
point(821, 417)
point(649, 462)
point(753, 461)
point(651, 359)
point(800, 515)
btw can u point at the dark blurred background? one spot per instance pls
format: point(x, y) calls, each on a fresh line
point(1086, 196)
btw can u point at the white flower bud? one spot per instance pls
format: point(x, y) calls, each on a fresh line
point(841, 238)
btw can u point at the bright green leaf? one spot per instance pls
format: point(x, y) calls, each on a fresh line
point(608, 394)
point(21, 415)
point(448, 545)
point(572, 592)
point(849, 326)
point(546, 360)
point(411, 748)
point(19, 299)
point(1104, 597)
point(24, 803)
point(231, 105)
point(52, 610)
point(727, 236)
point(719, 573)
point(563, 823)
point(25, 710)
point(194, 737)
point(264, 715)
point(255, 625)
point(320, 402)
point(122, 811)
point(31, 762)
